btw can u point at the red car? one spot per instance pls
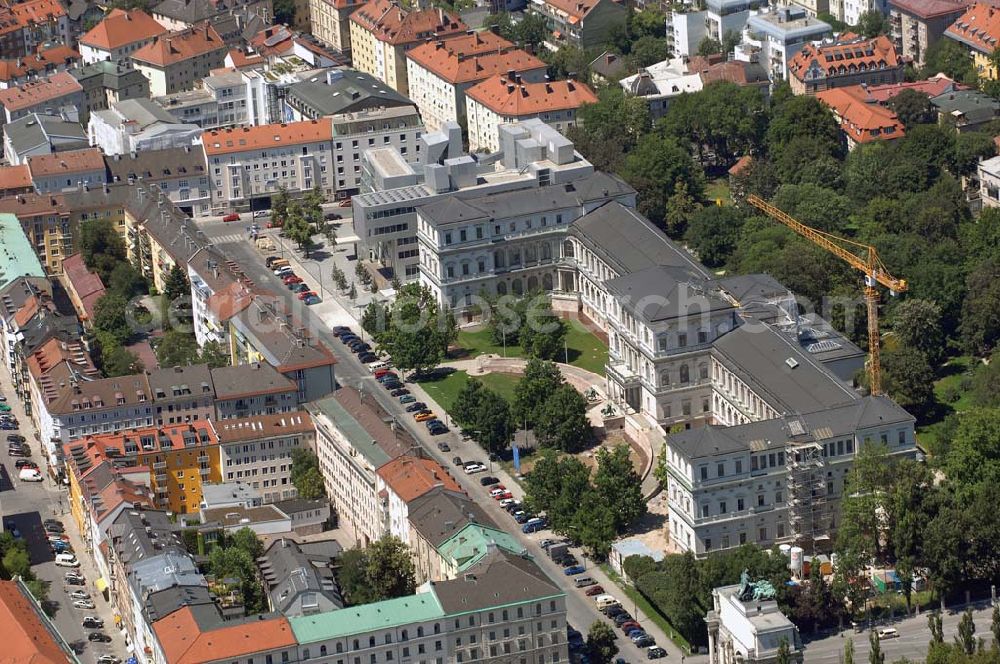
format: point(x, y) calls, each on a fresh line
point(595, 590)
point(292, 279)
point(345, 203)
point(277, 223)
point(304, 294)
point(503, 496)
point(232, 216)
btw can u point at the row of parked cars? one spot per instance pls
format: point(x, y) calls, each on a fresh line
point(612, 608)
point(283, 269)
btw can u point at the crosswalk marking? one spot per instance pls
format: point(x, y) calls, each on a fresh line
point(232, 237)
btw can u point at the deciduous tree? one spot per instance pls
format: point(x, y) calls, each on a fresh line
point(601, 645)
point(654, 168)
point(419, 331)
point(561, 420)
point(102, 247)
point(619, 487)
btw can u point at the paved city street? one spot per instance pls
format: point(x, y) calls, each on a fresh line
point(28, 504)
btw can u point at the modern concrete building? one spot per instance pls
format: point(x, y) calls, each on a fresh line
point(39, 134)
point(139, 125)
point(221, 101)
point(773, 38)
point(989, 182)
point(718, 20)
point(585, 24)
point(918, 24)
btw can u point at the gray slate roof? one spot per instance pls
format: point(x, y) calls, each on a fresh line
point(162, 603)
point(867, 413)
point(662, 293)
point(232, 382)
point(36, 130)
point(193, 381)
point(758, 354)
point(289, 572)
point(350, 91)
point(629, 242)
point(157, 165)
point(500, 579)
point(439, 514)
point(976, 106)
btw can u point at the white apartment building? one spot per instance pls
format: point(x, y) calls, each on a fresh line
point(686, 30)
point(257, 451)
point(221, 101)
point(249, 164)
point(440, 72)
point(398, 128)
point(118, 36)
point(502, 100)
point(989, 182)
point(139, 125)
point(774, 37)
point(352, 442)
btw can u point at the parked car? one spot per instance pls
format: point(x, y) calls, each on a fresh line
point(78, 594)
point(300, 287)
point(53, 523)
point(108, 659)
point(594, 590)
point(367, 357)
point(99, 637)
point(568, 560)
point(457, 461)
point(521, 517)
point(437, 430)
point(887, 633)
point(424, 416)
point(655, 652)
point(489, 480)
point(474, 468)
point(444, 447)
point(416, 406)
point(407, 398)
point(92, 622)
point(16, 438)
point(75, 581)
point(644, 641)
point(30, 475)
point(292, 279)
point(304, 294)
point(393, 385)
point(25, 463)
point(83, 604)
point(574, 570)
point(400, 392)
point(621, 618)
point(232, 216)
point(338, 330)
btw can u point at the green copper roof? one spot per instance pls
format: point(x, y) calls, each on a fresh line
point(470, 544)
point(360, 439)
point(366, 618)
point(17, 256)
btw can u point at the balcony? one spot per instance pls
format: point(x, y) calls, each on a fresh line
point(621, 373)
point(203, 458)
point(204, 472)
point(161, 478)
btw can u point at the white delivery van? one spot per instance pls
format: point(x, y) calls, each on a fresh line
point(67, 560)
point(30, 475)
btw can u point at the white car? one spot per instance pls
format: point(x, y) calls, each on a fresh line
point(78, 594)
point(30, 475)
point(507, 501)
point(83, 604)
point(473, 468)
point(281, 271)
point(888, 633)
point(497, 492)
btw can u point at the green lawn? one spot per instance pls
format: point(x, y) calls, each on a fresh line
point(583, 349)
point(445, 390)
point(718, 189)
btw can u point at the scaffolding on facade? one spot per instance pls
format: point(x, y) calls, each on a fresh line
point(808, 509)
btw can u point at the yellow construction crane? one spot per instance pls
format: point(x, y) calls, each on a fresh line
point(861, 257)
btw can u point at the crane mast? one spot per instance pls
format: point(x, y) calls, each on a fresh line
point(862, 257)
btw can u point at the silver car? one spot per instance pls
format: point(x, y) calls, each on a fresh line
point(83, 604)
point(79, 594)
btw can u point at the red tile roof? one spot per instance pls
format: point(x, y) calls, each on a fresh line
point(38, 92)
point(411, 477)
point(176, 47)
point(225, 141)
point(87, 285)
point(472, 57)
point(389, 22)
point(264, 426)
point(34, 12)
point(241, 59)
point(979, 27)
point(120, 28)
point(511, 99)
point(575, 8)
point(57, 56)
point(26, 638)
point(184, 642)
point(13, 178)
point(862, 118)
point(927, 9)
point(72, 161)
point(741, 165)
point(932, 87)
point(847, 56)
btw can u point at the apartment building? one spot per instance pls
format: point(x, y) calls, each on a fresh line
point(138, 125)
point(182, 14)
point(774, 37)
point(107, 82)
point(502, 100)
point(505, 606)
point(849, 60)
point(382, 32)
point(55, 172)
point(916, 25)
point(179, 173)
point(989, 181)
point(177, 60)
point(404, 479)
point(38, 134)
point(440, 72)
point(248, 165)
point(219, 290)
point(331, 22)
point(220, 102)
point(59, 93)
point(44, 218)
point(584, 24)
point(83, 287)
point(47, 60)
point(42, 22)
point(257, 451)
point(778, 480)
point(118, 36)
point(686, 29)
point(861, 119)
point(977, 29)
point(396, 128)
point(15, 181)
point(252, 390)
point(352, 442)
point(385, 213)
point(48, 351)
